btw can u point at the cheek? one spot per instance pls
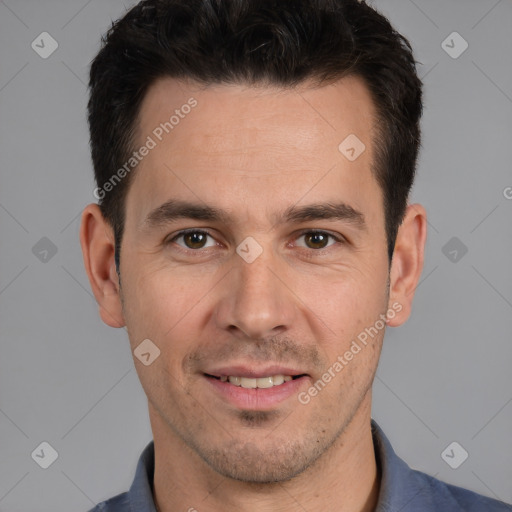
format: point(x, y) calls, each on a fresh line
point(349, 308)
point(350, 299)
point(159, 307)
point(159, 303)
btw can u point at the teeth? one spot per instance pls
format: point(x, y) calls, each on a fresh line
point(278, 380)
point(265, 382)
point(235, 380)
point(262, 382)
point(248, 383)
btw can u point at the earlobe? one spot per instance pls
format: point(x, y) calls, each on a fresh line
point(97, 242)
point(407, 262)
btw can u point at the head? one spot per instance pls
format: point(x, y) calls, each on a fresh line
point(264, 96)
point(281, 44)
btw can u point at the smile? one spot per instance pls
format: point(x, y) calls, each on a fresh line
point(255, 392)
point(253, 383)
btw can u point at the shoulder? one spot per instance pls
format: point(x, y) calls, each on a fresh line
point(139, 497)
point(444, 496)
point(409, 490)
point(119, 503)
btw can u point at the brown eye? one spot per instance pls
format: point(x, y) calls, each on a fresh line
point(193, 239)
point(318, 240)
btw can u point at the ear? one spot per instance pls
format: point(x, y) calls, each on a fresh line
point(97, 241)
point(407, 262)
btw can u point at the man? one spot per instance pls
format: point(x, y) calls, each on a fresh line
point(253, 163)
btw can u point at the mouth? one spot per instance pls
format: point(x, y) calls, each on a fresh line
point(256, 382)
point(257, 390)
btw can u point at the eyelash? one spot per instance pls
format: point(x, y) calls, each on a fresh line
point(338, 239)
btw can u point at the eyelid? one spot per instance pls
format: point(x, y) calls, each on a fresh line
point(339, 239)
point(183, 232)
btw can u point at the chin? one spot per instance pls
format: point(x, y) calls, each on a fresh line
point(254, 463)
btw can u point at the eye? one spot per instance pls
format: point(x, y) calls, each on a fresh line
point(193, 239)
point(197, 239)
point(318, 240)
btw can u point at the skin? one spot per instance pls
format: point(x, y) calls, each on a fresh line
point(254, 152)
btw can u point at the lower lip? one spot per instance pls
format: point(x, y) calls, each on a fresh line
point(258, 398)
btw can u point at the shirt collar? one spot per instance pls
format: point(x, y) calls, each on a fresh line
point(140, 495)
point(401, 488)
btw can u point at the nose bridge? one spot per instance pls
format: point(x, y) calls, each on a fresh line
point(256, 301)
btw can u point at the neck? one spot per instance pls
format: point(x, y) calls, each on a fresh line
point(345, 475)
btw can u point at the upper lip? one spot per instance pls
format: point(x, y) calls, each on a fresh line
point(252, 372)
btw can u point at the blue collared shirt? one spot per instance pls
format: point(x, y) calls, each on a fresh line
point(401, 490)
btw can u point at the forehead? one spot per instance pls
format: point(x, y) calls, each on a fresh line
point(243, 111)
point(264, 143)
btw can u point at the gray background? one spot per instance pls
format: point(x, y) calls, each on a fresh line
point(69, 380)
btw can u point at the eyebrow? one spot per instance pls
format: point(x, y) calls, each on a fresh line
point(177, 209)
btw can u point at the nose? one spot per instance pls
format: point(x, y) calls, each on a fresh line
point(257, 301)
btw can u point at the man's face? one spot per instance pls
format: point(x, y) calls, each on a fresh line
point(292, 310)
